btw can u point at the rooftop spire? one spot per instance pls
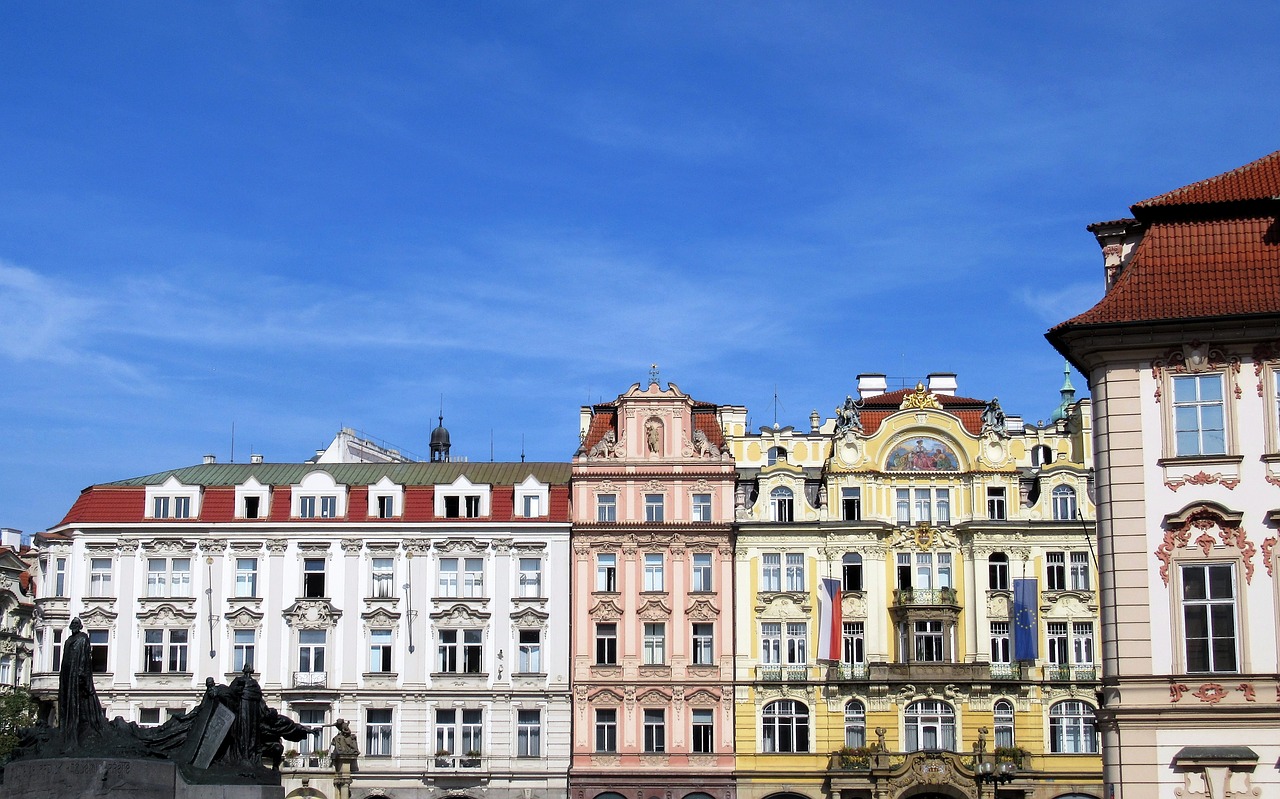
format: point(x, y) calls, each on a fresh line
point(1068, 392)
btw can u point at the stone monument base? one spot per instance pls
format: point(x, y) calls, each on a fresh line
point(115, 778)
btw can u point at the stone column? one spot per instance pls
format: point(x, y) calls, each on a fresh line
point(343, 766)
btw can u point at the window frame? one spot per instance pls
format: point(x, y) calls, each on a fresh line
point(379, 734)
point(655, 507)
point(1208, 602)
point(1175, 432)
point(784, 727)
point(701, 575)
point(700, 507)
point(1074, 721)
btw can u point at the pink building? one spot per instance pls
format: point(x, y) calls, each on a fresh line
point(652, 587)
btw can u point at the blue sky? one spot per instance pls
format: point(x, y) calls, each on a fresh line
point(295, 216)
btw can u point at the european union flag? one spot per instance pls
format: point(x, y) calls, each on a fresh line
point(1026, 626)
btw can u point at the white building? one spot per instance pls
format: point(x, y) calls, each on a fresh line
point(413, 599)
point(1182, 355)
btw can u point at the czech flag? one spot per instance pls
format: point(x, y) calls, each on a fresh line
point(830, 620)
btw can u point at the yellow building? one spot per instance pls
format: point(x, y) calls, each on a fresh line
point(956, 546)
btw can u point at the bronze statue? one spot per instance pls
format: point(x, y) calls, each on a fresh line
point(79, 711)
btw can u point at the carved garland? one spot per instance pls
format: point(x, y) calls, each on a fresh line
point(1262, 353)
point(1178, 536)
point(1268, 553)
point(1175, 360)
point(1203, 478)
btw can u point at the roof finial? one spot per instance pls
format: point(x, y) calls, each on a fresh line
point(653, 374)
point(1068, 393)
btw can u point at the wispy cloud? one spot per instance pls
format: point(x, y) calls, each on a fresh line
point(1055, 304)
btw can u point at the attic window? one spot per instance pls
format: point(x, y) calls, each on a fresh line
point(386, 507)
point(776, 455)
point(251, 507)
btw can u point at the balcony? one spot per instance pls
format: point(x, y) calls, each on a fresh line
point(310, 679)
point(1055, 671)
point(848, 671)
point(924, 596)
point(445, 762)
point(782, 673)
point(1006, 671)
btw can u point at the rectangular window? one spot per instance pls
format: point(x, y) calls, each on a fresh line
point(606, 729)
point(942, 502)
point(532, 506)
point(924, 570)
point(851, 572)
point(528, 733)
point(472, 506)
point(653, 576)
point(1056, 632)
point(164, 650)
point(924, 500)
point(1055, 571)
point(1000, 642)
point(56, 654)
point(182, 507)
point(386, 507)
point(311, 644)
point(377, 732)
point(98, 650)
point(448, 651)
point(1080, 571)
point(314, 746)
point(998, 572)
point(306, 507)
point(607, 644)
point(530, 656)
point(655, 730)
point(530, 577)
point(168, 577)
point(242, 646)
point(1199, 423)
point(797, 643)
point(313, 578)
point(929, 642)
point(251, 506)
point(902, 503)
point(995, 503)
point(448, 577)
point(904, 570)
point(851, 502)
point(704, 731)
point(452, 506)
point(655, 644)
point(606, 507)
point(461, 651)
point(607, 573)
point(795, 571)
point(771, 643)
point(246, 577)
point(1082, 642)
point(380, 651)
point(100, 577)
point(328, 507)
point(771, 571)
point(853, 643)
point(1209, 618)
point(382, 578)
point(703, 644)
point(160, 508)
point(148, 716)
point(473, 577)
point(653, 508)
point(60, 577)
point(702, 507)
point(472, 652)
point(701, 572)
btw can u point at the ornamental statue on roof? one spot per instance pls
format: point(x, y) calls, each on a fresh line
point(848, 419)
point(920, 399)
point(993, 418)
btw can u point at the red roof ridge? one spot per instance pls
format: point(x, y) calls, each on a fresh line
point(1256, 180)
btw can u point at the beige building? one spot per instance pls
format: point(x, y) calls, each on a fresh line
point(1182, 355)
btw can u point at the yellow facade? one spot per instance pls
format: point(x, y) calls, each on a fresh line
point(926, 507)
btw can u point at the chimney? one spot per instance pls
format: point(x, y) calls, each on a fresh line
point(871, 385)
point(1117, 240)
point(255, 458)
point(208, 459)
point(943, 383)
point(10, 537)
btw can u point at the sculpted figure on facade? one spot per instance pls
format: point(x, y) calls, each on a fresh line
point(993, 417)
point(606, 447)
point(848, 419)
point(653, 436)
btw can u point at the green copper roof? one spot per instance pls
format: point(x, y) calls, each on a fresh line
point(228, 474)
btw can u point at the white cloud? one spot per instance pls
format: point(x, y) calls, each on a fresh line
point(1060, 303)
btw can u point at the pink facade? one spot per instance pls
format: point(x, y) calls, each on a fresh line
point(652, 641)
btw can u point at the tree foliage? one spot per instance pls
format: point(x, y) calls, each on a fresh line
point(17, 710)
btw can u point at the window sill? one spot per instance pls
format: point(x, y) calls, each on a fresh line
point(386, 599)
point(380, 675)
point(530, 675)
point(460, 599)
point(159, 599)
point(1197, 460)
point(1271, 457)
point(155, 675)
point(468, 675)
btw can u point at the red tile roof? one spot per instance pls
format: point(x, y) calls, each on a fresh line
point(125, 505)
point(218, 504)
point(601, 423)
point(1256, 180)
point(876, 409)
point(704, 419)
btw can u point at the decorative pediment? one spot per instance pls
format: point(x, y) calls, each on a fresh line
point(920, 399)
point(461, 545)
point(654, 610)
point(606, 610)
point(606, 696)
point(313, 547)
point(998, 605)
point(1070, 605)
point(702, 698)
point(1195, 357)
point(380, 617)
point(702, 610)
point(1204, 518)
point(459, 615)
point(654, 696)
point(246, 546)
point(312, 614)
point(167, 615)
point(169, 546)
point(924, 538)
point(789, 604)
point(853, 605)
point(530, 546)
point(382, 548)
point(243, 617)
point(529, 617)
point(98, 617)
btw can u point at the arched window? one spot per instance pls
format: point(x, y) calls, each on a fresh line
point(1064, 503)
point(998, 572)
point(855, 724)
point(786, 726)
point(1041, 455)
point(777, 455)
point(930, 725)
point(783, 503)
point(1072, 729)
point(1004, 722)
point(852, 571)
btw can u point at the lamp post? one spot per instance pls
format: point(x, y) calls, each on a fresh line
point(992, 773)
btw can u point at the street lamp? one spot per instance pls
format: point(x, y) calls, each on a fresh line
point(994, 774)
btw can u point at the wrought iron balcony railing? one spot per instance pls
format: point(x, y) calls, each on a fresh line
point(924, 596)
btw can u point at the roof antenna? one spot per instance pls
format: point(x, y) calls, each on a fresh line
point(522, 447)
point(490, 445)
point(233, 441)
point(775, 406)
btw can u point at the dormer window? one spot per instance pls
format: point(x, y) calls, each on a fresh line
point(386, 507)
point(318, 496)
point(173, 500)
point(462, 499)
point(386, 499)
point(251, 507)
point(777, 455)
point(532, 498)
point(327, 507)
point(253, 499)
